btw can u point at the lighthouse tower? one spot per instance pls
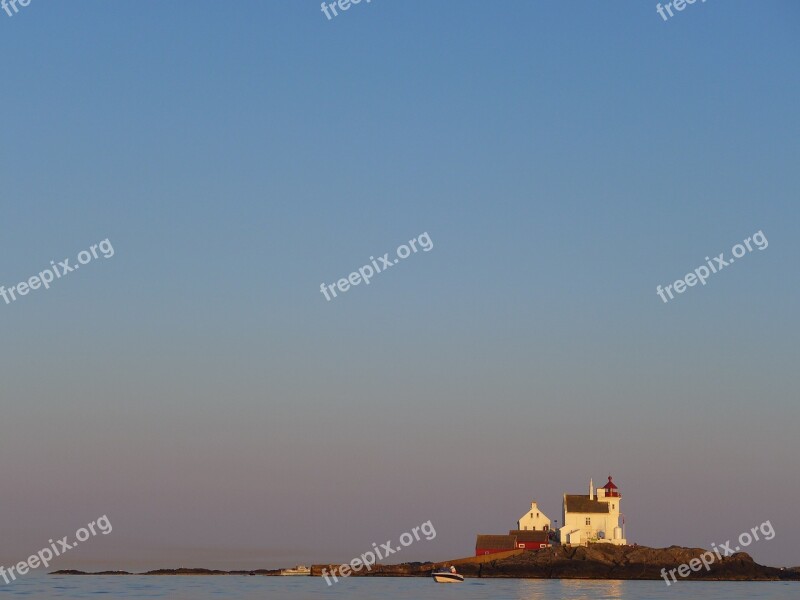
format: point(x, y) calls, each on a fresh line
point(609, 494)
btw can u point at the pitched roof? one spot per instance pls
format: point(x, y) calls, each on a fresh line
point(523, 535)
point(496, 542)
point(582, 504)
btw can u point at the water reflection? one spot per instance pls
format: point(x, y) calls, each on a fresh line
point(570, 589)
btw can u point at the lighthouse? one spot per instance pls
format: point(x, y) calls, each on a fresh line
point(594, 517)
point(609, 493)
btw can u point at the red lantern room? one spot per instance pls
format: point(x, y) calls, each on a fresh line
point(612, 491)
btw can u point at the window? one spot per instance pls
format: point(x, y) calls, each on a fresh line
point(537, 515)
point(613, 507)
point(531, 515)
point(588, 520)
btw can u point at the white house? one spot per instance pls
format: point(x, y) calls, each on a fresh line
point(593, 518)
point(534, 520)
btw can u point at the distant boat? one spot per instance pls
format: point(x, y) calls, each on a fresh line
point(447, 576)
point(298, 570)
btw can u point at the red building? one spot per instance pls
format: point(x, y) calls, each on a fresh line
point(531, 540)
point(491, 544)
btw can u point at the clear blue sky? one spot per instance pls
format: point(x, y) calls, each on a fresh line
point(564, 157)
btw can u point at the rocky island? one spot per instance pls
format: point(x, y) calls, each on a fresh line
point(181, 571)
point(596, 561)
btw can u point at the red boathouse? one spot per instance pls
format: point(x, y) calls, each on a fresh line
point(491, 544)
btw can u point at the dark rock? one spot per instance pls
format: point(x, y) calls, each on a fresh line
point(596, 561)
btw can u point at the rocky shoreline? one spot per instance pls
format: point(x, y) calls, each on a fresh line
point(181, 571)
point(606, 561)
point(597, 561)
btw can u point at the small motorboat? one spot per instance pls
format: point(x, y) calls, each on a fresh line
point(447, 576)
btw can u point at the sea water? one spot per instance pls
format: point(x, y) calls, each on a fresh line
point(231, 587)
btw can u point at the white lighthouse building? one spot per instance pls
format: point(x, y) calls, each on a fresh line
point(593, 518)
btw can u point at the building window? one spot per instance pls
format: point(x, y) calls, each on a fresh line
point(612, 507)
point(531, 515)
point(588, 520)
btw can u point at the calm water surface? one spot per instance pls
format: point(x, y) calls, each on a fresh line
point(311, 588)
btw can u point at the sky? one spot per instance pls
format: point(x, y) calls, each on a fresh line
point(565, 158)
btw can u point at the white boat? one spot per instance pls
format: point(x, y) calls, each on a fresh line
point(447, 576)
point(298, 570)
